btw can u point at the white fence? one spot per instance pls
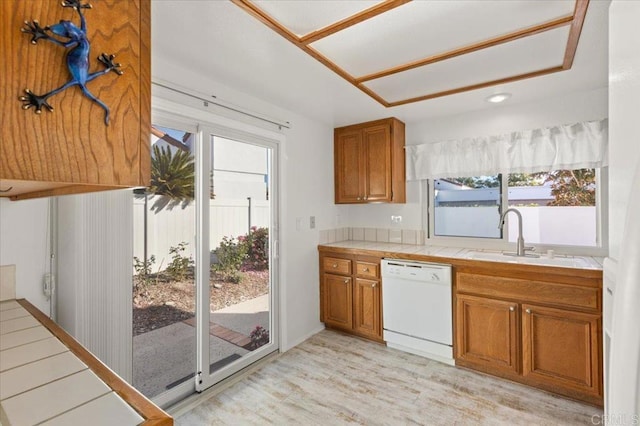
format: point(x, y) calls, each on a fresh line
point(574, 226)
point(168, 228)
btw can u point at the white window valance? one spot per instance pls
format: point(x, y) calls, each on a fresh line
point(574, 146)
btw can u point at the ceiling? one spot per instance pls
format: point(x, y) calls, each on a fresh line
point(349, 61)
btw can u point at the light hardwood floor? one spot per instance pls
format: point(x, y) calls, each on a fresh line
point(337, 379)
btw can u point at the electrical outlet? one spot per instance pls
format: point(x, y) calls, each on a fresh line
point(396, 219)
point(312, 222)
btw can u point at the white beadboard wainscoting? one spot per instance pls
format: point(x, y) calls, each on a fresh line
point(95, 252)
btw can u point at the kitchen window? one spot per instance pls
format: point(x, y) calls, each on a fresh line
point(467, 206)
point(559, 208)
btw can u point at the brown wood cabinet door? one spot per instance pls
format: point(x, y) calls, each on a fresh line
point(561, 348)
point(377, 143)
point(487, 333)
point(71, 150)
point(367, 308)
point(338, 301)
point(349, 167)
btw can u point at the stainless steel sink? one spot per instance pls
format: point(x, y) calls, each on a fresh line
point(566, 261)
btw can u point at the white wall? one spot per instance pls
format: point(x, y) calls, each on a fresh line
point(624, 98)
point(24, 242)
point(621, 315)
point(306, 177)
point(583, 106)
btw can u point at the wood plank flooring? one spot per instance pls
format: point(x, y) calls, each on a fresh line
point(334, 379)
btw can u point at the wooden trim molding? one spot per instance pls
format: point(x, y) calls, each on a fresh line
point(153, 415)
point(579, 14)
point(527, 32)
point(576, 21)
point(376, 10)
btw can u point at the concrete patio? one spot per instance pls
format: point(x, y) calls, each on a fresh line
point(166, 357)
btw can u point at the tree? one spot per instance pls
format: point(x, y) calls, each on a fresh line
point(573, 187)
point(172, 177)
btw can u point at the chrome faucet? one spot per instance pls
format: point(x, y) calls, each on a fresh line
point(520, 247)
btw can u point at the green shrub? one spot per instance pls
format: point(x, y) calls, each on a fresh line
point(142, 268)
point(231, 254)
point(257, 247)
point(180, 265)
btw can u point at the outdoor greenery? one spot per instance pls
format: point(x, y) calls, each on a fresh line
point(231, 254)
point(259, 336)
point(247, 252)
point(569, 187)
point(180, 264)
point(257, 244)
point(143, 267)
point(172, 177)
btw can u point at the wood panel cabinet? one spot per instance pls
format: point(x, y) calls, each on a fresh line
point(561, 347)
point(369, 162)
point(487, 332)
point(71, 149)
point(544, 332)
point(350, 294)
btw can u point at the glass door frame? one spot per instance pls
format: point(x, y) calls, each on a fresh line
point(188, 114)
point(206, 132)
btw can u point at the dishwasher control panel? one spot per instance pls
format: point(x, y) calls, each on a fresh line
point(418, 271)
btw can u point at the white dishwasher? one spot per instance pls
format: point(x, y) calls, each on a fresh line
point(416, 308)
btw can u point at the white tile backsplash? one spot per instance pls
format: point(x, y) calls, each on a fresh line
point(380, 235)
point(370, 234)
point(409, 236)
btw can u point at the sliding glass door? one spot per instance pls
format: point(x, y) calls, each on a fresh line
point(240, 326)
point(205, 271)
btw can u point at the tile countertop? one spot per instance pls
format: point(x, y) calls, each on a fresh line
point(397, 250)
point(46, 377)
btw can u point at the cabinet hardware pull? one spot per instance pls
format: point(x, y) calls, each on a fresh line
point(528, 311)
point(373, 285)
point(335, 265)
point(365, 270)
point(359, 198)
point(511, 308)
point(346, 281)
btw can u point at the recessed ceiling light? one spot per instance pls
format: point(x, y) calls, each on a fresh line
point(498, 97)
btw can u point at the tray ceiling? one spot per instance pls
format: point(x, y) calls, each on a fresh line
point(402, 51)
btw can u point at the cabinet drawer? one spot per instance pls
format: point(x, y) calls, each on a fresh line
point(337, 266)
point(529, 290)
point(368, 269)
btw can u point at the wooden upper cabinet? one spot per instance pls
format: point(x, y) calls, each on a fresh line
point(370, 162)
point(70, 149)
point(349, 166)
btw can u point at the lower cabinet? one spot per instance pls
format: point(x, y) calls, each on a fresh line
point(367, 308)
point(338, 301)
point(500, 331)
point(561, 348)
point(487, 332)
point(350, 294)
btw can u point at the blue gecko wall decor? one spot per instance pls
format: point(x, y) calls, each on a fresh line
point(77, 58)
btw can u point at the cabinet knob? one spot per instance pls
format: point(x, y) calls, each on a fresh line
point(346, 281)
point(335, 265)
point(528, 311)
point(512, 308)
point(373, 285)
point(359, 198)
point(365, 270)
